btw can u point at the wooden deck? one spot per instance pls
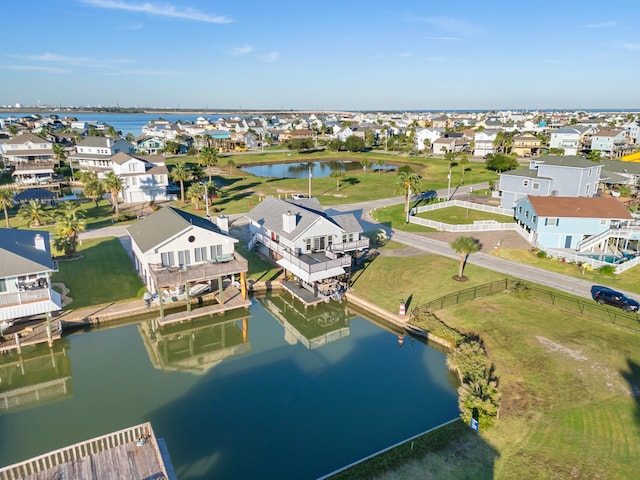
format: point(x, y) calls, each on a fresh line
point(302, 294)
point(117, 455)
point(24, 334)
point(231, 299)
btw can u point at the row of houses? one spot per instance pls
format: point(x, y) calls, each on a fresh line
point(178, 254)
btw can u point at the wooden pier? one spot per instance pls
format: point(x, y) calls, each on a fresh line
point(21, 334)
point(133, 453)
point(230, 299)
point(307, 298)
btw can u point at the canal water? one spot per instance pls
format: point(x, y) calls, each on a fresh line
point(272, 392)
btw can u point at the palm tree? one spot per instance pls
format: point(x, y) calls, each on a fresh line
point(209, 157)
point(231, 164)
point(34, 213)
point(197, 172)
point(464, 246)
point(380, 163)
point(337, 174)
point(408, 183)
point(113, 183)
point(70, 210)
point(69, 224)
point(6, 201)
point(195, 192)
point(94, 190)
point(181, 173)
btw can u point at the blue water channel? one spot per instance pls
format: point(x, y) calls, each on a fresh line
point(318, 169)
point(272, 392)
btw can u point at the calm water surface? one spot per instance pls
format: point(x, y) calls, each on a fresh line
point(301, 169)
point(276, 393)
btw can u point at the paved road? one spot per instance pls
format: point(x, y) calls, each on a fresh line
point(362, 211)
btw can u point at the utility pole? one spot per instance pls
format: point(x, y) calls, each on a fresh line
point(310, 181)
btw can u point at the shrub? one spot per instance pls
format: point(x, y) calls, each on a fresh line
point(607, 270)
point(541, 254)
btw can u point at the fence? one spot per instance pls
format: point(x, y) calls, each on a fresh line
point(481, 225)
point(575, 304)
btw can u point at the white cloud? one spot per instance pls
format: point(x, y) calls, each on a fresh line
point(34, 68)
point(87, 62)
point(608, 24)
point(631, 46)
point(270, 57)
point(241, 50)
point(405, 54)
point(163, 11)
point(457, 26)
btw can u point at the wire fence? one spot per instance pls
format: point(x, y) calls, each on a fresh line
point(578, 305)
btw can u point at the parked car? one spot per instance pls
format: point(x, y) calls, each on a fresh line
point(617, 299)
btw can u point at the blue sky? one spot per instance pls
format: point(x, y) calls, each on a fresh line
point(328, 55)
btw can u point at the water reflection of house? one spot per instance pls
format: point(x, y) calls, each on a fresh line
point(313, 328)
point(39, 375)
point(198, 345)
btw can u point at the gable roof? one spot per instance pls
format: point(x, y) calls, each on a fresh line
point(26, 137)
point(19, 255)
point(567, 161)
point(579, 207)
point(164, 224)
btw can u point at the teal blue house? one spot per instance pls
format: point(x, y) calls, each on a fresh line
point(564, 222)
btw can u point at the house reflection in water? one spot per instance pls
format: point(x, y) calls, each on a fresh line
point(313, 327)
point(36, 376)
point(197, 345)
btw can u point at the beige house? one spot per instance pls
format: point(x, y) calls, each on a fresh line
point(526, 145)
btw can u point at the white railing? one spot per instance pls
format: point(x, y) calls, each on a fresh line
point(468, 227)
point(26, 296)
point(464, 204)
point(350, 246)
point(622, 232)
point(592, 262)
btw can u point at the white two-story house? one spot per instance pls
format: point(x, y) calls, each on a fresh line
point(94, 154)
point(483, 143)
point(145, 179)
point(300, 237)
point(550, 176)
point(25, 275)
point(31, 157)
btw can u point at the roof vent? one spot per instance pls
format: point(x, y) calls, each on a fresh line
point(38, 241)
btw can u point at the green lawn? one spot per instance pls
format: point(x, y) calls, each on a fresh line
point(103, 274)
point(461, 216)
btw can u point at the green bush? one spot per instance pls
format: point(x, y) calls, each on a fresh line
point(607, 270)
point(541, 254)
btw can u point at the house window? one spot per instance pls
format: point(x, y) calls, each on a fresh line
point(534, 218)
point(307, 244)
point(166, 259)
point(587, 188)
point(519, 209)
point(184, 257)
point(344, 238)
point(551, 222)
point(329, 241)
point(535, 186)
point(3, 285)
point(589, 172)
point(525, 183)
point(216, 251)
point(319, 243)
point(603, 222)
point(132, 167)
point(201, 254)
point(526, 214)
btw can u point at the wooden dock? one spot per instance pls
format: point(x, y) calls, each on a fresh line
point(133, 453)
point(305, 296)
point(230, 300)
point(23, 334)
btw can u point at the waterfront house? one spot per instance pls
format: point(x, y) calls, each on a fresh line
point(567, 139)
point(555, 176)
point(176, 252)
point(149, 145)
point(564, 222)
point(94, 154)
point(526, 145)
point(25, 275)
point(31, 157)
point(610, 142)
point(145, 179)
point(300, 237)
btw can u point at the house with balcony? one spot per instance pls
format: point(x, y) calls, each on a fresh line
point(149, 145)
point(610, 142)
point(425, 137)
point(179, 256)
point(567, 139)
point(25, 275)
point(94, 154)
point(145, 179)
point(314, 247)
point(573, 223)
point(31, 157)
point(483, 143)
point(526, 145)
point(550, 176)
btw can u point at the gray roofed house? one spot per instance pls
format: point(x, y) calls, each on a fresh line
point(304, 240)
point(175, 250)
point(25, 269)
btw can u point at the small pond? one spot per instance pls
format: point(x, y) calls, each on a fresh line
point(318, 169)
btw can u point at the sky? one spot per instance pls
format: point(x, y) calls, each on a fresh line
point(328, 55)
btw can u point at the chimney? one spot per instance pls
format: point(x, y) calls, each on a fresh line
point(289, 221)
point(222, 221)
point(38, 241)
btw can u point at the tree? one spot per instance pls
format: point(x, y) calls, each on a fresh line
point(209, 157)
point(172, 147)
point(594, 156)
point(58, 152)
point(337, 174)
point(464, 246)
point(34, 213)
point(130, 137)
point(408, 183)
point(195, 192)
point(500, 162)
point(113, 184)
point(197, 172)
point(364, 163)
point(69, 224)
point(335, 145)
point(13, 130)
point(463, 161)
point(354, 144)
point(181, 173)
point(93, 189)
point(6, 201)
point(231, 164)
point(369, 138)
point(380, 164)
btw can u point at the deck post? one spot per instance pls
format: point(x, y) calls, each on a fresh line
point(161, 305)
point(243, 285)
point(49, 329)
point(221, 290)
point(18, 342)
point(188, 297)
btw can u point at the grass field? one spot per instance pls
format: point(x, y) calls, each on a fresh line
point(462, 216)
